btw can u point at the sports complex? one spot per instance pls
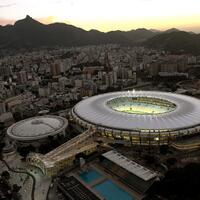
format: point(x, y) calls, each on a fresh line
point(140, 117)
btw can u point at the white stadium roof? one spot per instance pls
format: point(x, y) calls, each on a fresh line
point(37, 127)
point(95, 110)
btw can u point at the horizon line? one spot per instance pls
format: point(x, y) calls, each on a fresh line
point(41, 20)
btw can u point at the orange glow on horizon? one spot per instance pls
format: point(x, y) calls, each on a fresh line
point(184, 23)
point(107, 15)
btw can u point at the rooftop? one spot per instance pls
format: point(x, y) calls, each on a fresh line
point(153, 111)
point(37, 127)
point(130, 166)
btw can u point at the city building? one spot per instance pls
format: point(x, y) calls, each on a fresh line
point(37, 129)
point(130, 172)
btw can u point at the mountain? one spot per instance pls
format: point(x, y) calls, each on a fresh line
point(31, 33)
point(155, 30)
point(136, 36)
point(171, 30)
point(175, 42)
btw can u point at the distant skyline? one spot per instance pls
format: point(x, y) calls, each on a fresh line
point(107, 15)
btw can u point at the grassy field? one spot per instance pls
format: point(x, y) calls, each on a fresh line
point(145, 109)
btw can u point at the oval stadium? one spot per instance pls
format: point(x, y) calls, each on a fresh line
point(139, 117)
point(37, 128)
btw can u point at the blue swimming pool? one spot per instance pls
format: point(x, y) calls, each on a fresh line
point(110, 191)
point(90, 175)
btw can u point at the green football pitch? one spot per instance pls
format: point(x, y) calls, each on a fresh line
point(143, 109)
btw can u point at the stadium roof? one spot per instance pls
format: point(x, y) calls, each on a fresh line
point(37, 127)
point(130, 166)
point(95, 110)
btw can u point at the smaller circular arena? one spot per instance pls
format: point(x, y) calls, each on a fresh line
point(38, 128)
point(140, 117)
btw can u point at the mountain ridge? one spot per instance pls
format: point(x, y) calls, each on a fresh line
point(176, 42)
point(29, 33)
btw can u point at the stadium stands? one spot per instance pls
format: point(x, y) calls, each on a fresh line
point(73, 189)
point(129, 172)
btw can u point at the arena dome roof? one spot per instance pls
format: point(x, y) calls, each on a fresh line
point(140, 110)
point(36, 128)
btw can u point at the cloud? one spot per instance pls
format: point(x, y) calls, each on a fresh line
point(7, 5)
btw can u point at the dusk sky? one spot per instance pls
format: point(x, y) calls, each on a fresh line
point(106, 15)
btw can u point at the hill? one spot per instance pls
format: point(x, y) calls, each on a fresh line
point(31, 33)
point(176, 42)
point(179, 183)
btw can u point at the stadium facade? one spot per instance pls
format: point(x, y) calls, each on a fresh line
point(139, 117)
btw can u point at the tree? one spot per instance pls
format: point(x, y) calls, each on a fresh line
point(17, 116)
point(164, 149)
point(5, 175)
point(179, 183)
point(150, 159)
point(16, 188)
point(24, 151)
point(15, 195)
point(2, 145)
point(171, 161)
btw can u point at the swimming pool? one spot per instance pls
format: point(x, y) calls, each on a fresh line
point(110, 191)
point(90, 175)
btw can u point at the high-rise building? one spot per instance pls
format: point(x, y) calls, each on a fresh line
point(44, 92)
point(22, 77)
point(55, 69)
point(5, 70)
point(2, 107)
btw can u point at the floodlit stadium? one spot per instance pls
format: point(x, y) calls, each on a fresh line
point(139, 117)
point(37, 128)
point(130, 118)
